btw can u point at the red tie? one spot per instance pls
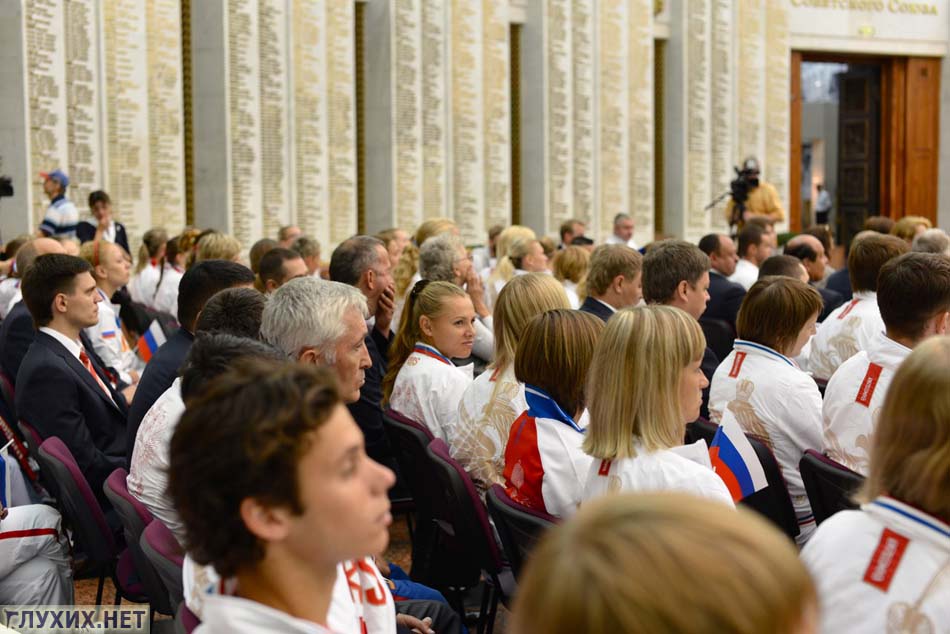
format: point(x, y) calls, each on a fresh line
point(87, 363)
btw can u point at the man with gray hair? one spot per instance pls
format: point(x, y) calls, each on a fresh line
point(323, 323)
point(623, 231)
point(931, 241)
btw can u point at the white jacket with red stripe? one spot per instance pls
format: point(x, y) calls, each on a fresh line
point(885, 568)
point(849, 329)
point(545, 465)
point(774, 400)
point(853, 400)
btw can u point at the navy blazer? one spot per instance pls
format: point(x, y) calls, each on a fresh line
point(159, 374)
point(596, 308)
point(725, 298)
point(86, 232)
point(57, 395)
point(840, 282)
point(831, 300)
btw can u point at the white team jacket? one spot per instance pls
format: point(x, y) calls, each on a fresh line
point(429, 388)
point(885, 568)
point(143, 284)
point(849, 329)
point(774, 400)
point(489, 405)
point(545, 466)
point(686, 469)
point(166, 296)
point(853, 400)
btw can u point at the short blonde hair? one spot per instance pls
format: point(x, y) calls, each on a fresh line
point(910, 449)
point(906, 227)
point(635, 377)
point(607, 262)
point(522, 299)
point(505, 269)
point(571, 264)
point(217, 246)
point(700, 567)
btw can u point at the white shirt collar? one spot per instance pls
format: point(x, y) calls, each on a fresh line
point(612, 309)
point(73, 346)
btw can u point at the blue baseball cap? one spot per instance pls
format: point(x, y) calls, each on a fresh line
point(57, 175)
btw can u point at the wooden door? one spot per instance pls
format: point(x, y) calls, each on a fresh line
point(859, 117)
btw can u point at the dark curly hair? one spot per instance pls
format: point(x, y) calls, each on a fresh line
point(243, 437)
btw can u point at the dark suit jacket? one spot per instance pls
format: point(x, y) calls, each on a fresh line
point(597, 308)
point(839, 282)
point(159, 374)
point(831, 301)
point(58, 397)
point(367, 411)
point(86, 232)
point(725, 297)
point(708, 366)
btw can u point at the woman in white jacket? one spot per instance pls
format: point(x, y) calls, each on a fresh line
point(645, 384)
point(422, 383)
point(886, 567)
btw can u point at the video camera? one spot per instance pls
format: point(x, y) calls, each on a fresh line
point(747, 178)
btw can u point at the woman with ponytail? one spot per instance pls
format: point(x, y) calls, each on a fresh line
point(173, 268)
point(422, 383)
point(506, 268)
point(147, 270)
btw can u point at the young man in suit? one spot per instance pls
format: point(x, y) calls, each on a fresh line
point(61, 391)
point(613, 280)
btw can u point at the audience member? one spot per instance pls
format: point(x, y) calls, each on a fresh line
point(524, 255)
point(504, 270)
point(105, 228)
point(287, 234)
point(421, 382)
point(570, 229)
point(70, 244)
point(725, 297)
point(197, 286)
point(212, 355)
point(258, 249)
point(884, 567)
point(908, 227)
point(570, 269)
point(699, 568)
point(34, 557)
point(852, 327)
point(484, 257)
point(879, 224)
point(236, 311)
point(216, 246)
point(810, 251)
point(278, 266)
point(406, 271)
point(784, 266)
point(545, 465)
point(144, 282)
point(395, 240)
point(496, 398)
point(913, 295)
point(60, 390)
point(623, 232)
point(931, 241)
point(309, 249)
point(760, 386)
point(110, 269)
point(755, 247)
point(613, 280)
point(173, 266)
point(648, 383)
point(824, 235)
point(676, 273)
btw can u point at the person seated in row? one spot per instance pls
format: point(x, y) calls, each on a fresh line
point(258, 249)
point(760, 385)
point(614, 280)
point(111, 271)
point(278, 266)
point(444, 258)
point(406, 270)
point(754, 247)
point(913, 293)
point(422, 383)
point(725, 297)
point(909, 227)
point(665, 564)
point(646, 384)
point(851, 327)
point(505, 269)
point(570, 268)
point(676, 273)
point(886, 566)
point(309, 250)
point(496, 398)
point(144, 281)
point(291, 513)
point(34, 557)
point(545, 465)
point(811, 252)
point(931, 241)
point(177, 250)
point(61, 390)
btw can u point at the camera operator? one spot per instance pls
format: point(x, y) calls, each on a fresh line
point(752, 197)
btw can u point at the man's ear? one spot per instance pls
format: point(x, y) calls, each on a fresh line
point(617, 283)
point(311, 356)
point(940, 323)
point(681, 290)
point(59, 303)
point(370, 279)
point(267, 523)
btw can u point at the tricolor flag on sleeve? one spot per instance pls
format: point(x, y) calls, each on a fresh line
point(150, 341)
point(734, 460)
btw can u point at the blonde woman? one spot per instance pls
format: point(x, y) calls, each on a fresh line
point(646, 383)
point(504, 270)
point(148, 267)
point(570, 269)
point(496, 398)
point(173, 266)
point(886, 567)
point(665, 564)
point(218, 246)
point(909, 227)
point(422, 382)
point(545, 466)
point(525, 255)
point(761, 386)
